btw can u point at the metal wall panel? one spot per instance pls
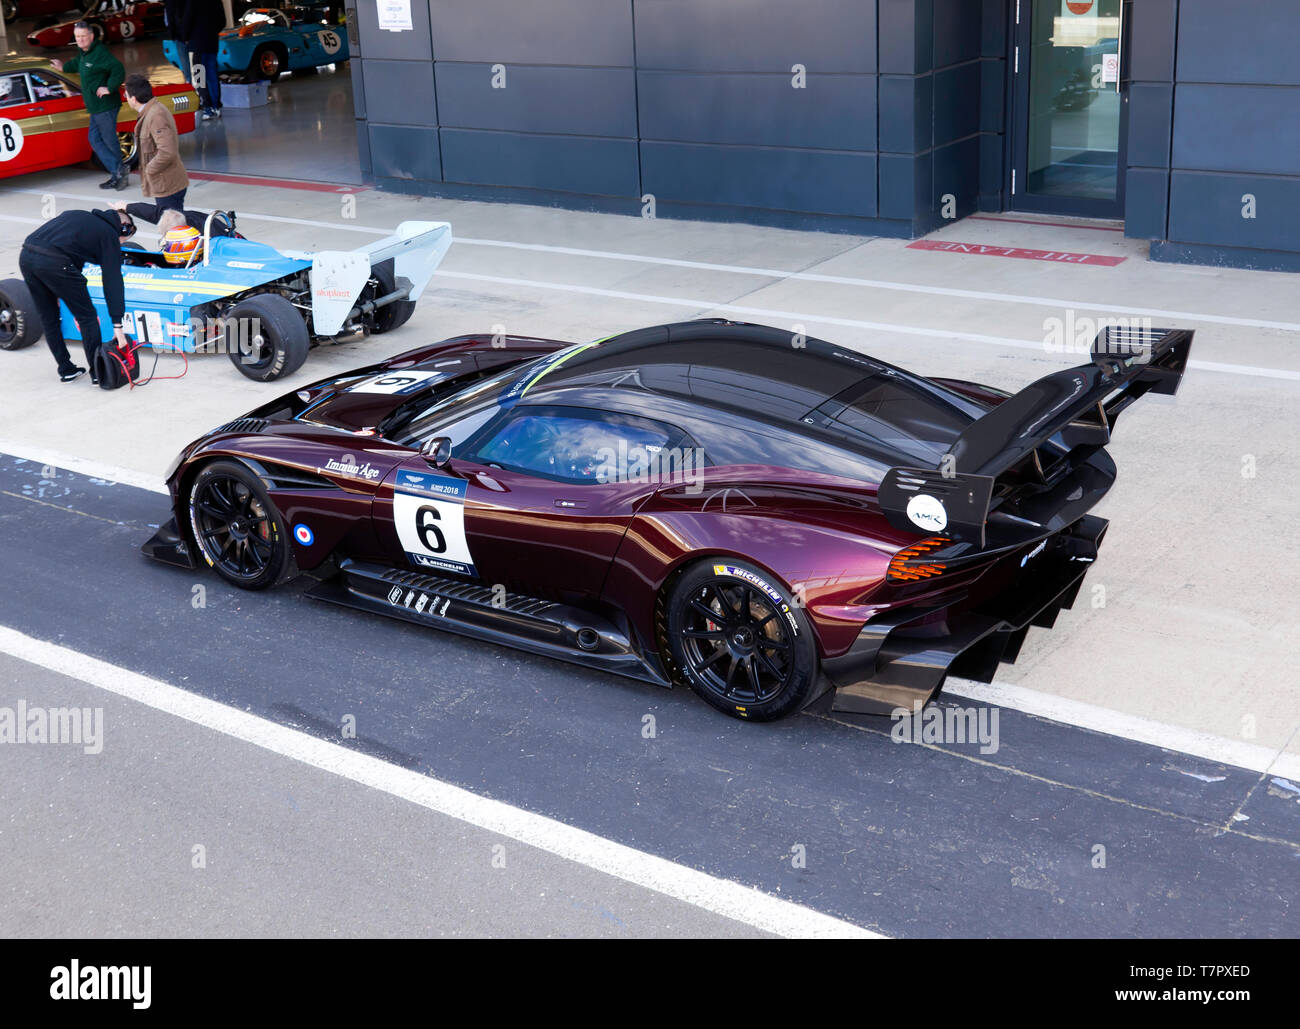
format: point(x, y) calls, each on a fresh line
point(575, 101)
point(756, 35)
point(579, 32)
point(1237, 128)
point(399, 92)
point(567, 164)
point(775, 178)
point(832, 112)
point(1205, 207)
point(956, 102)
point(404, 152)
point(1251, 41)
point(412, 45)
point(356, 72)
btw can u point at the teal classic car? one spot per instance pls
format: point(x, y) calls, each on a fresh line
point(269, 40)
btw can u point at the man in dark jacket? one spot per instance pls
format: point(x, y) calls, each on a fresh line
point(102, 76)
point(173, 19)
point(202, 23)
point(51, 261)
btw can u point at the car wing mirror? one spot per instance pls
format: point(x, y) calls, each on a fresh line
point(437, 451)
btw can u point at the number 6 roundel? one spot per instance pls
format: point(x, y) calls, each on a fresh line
point(429, 513)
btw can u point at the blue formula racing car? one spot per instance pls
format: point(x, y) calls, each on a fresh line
point(268, 41)
point(265, 308)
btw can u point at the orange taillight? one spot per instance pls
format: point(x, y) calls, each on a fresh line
point(907, 565)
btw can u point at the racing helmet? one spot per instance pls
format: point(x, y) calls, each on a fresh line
point(183, 244)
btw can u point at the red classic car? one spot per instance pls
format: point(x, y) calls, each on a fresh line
point(43, 120)
point(14, 9)
point(113, 21)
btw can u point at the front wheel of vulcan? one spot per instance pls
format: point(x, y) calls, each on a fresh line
point(739, 640)
point(239, 532)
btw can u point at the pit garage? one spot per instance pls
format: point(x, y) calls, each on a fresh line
point(283, 116)
point(871, 182)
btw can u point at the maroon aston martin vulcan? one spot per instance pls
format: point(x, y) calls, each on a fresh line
point(771, 520)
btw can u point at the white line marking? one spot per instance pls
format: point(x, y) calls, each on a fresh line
point(1130, 727)
point(774, 273)
point(1255, 371)
point(802, 317)
point(93, 469)
point(723, 897)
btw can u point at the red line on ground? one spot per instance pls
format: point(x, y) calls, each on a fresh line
point(1055, 225)
point(985, 250)
point(253, 180)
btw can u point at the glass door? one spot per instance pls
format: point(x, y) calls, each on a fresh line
point(1070, 104)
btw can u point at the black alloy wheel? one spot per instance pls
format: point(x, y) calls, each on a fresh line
point(739, 642)
point(238, 530)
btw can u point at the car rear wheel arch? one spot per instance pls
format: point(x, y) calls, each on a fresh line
point(759, 595)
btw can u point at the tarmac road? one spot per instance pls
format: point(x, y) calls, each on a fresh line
point(906, 840)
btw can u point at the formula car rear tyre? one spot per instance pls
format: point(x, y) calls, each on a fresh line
point(267, 63)
point(270, 339)
point(396, 314)
point(739, 640)
point(239, 532)
point(20, 325)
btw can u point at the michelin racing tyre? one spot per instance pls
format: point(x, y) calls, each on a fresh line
point(20, 325)
point(396, 314)
point(738, 639)
point(269, 339)
point(239, 532)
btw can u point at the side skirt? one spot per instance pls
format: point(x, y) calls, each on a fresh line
point(511, 619)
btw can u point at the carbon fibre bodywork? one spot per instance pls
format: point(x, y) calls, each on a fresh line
point(794, 443)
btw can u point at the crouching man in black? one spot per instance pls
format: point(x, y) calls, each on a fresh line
point(51, 261)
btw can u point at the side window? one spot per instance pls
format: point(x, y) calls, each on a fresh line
point(573, 446)
point(13, 90)
point(47, 87)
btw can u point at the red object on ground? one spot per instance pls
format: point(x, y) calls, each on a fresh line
point(990, 250)
point(254, 180)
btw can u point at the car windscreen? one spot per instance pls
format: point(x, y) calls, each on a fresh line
point(420, 420)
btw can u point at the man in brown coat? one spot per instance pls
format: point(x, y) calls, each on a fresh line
point(162, 174)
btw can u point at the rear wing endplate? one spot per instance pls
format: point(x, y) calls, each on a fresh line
point(339, 276)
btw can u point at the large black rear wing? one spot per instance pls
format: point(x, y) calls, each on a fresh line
point(1062, 418)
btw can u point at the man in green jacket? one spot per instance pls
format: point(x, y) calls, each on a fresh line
point(102, 75)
